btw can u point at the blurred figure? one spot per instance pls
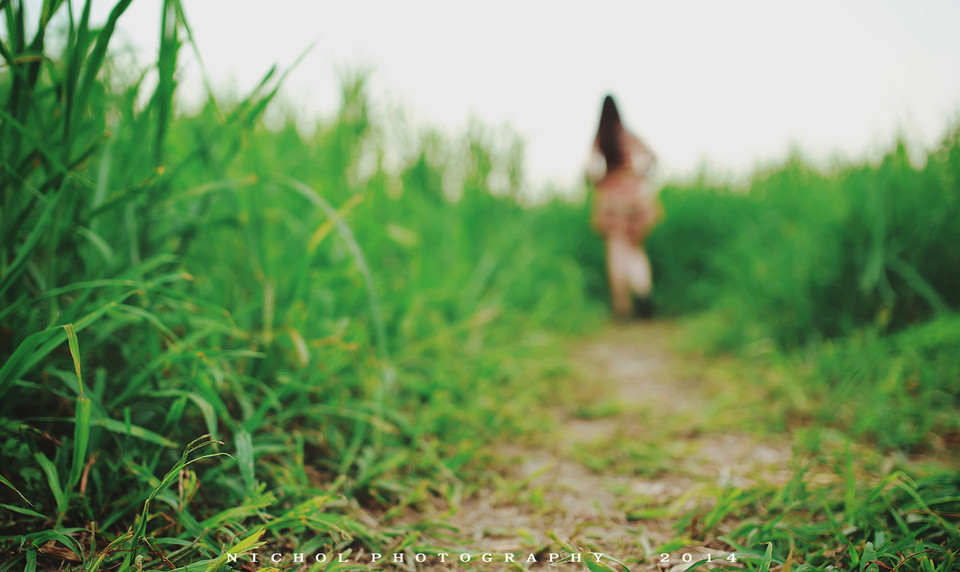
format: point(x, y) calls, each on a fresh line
point(624, 209)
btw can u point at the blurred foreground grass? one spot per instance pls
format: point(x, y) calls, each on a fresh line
point(353, 336)
point(213, 333)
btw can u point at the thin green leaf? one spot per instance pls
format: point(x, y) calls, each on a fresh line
point(81, 439)
point(74, 346)
point(94, 62)
point(13, 272)
point(21, 510)
point(245, 458)
point(19, 494)
point(53, 481)
point(110, 549)
point(37, 346)
point(133, 430)
point(767, 558)
point(31, 564)
point(25, 356)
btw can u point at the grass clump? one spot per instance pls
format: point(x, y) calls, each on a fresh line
point(845, 278)
point(836, 290)
point(829, 517)
point(216, 335)
point(801, 255)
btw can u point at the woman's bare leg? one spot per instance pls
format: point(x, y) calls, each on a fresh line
point(641, 282)
point(619, 255)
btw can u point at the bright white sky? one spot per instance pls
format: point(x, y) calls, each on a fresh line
point(732, 83)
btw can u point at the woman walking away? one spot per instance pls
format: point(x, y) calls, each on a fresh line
point(624, 209)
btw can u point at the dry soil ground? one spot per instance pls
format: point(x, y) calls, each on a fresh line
point(643, 448)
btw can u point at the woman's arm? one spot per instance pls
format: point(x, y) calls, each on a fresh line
point(596, 166)
point(642, 158)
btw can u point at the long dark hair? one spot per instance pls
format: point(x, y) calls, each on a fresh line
point(609, 134)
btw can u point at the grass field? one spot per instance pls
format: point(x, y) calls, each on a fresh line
point(215, 335)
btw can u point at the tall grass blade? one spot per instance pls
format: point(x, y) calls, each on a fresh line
point(81, 439)
point(14, 271)
point(245, 459)
point(24, 357)
point(4, 481)
point(94, 62)
point(20, 509)
point(918, 284)
point(122, 428)
point(347, 235)
point(53, 481)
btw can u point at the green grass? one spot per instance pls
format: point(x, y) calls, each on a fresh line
point(846, 522)
point(333, 340)
point(800, 255)
point(845, 281)
point(215, 334)
point(836, 292)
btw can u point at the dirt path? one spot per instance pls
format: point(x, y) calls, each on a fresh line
point(642, 450)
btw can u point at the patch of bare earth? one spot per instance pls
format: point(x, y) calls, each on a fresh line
point(615, 477)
